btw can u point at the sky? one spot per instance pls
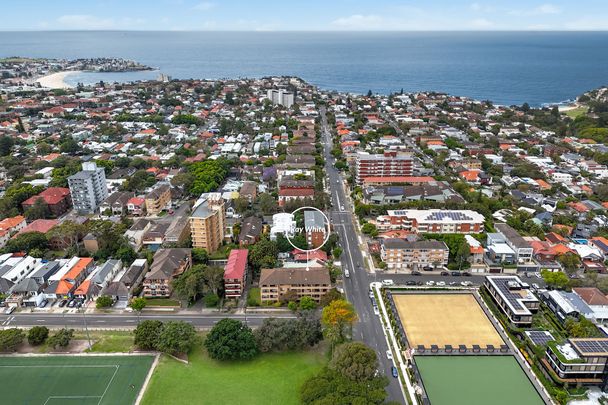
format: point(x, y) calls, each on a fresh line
point(309, 15)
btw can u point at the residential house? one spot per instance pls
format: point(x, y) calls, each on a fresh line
point(167, 264)
point(251, 228)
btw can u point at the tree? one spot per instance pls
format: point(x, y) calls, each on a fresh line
point(147, 334)
point(39, 210)
point(581, 328)
point(37, 335)
point(369, 229)
point(330, 387)
point(330, 296)
point(104, 301)
point(213, 278)
point(355, 360)
point(6, 144)
point(176, 337)
point(307, 303)
point(263, 254)
point(268, 205)
point(24, 242)
point(138, 304)
point(570, 261)
point(230, 339)
point(61, 338)
point(199, 256)
point(69, 146)
point(241, 205)
point(211, 300)
point(10, 339)
point(337, 319)
point(555, 279)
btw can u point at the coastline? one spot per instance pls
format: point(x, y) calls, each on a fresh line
point(56, 80)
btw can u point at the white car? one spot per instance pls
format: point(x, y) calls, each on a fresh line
point(440, 283)
point(430, 283)
point(537, 274)
point(376, 310)
point(466, 283)
point(388, 282)
point(346, 273)
point(389, 355)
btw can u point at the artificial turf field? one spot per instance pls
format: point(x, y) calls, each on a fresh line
point(445, 319)
point(71, 380)
point(476, 380)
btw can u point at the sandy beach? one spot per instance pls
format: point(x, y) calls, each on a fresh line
point(56, 80)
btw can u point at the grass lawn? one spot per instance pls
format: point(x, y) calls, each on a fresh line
point(84, 380)
point(161, 302)
point(576, 112)
point(255, 295)
point(476, 380)
point(112, 342)
point(268, 379)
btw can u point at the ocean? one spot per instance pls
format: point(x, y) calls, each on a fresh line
point(505, 67)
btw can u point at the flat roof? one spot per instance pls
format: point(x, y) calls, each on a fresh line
point(514, 298)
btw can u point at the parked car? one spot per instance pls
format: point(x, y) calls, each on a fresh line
point(376, 310)
point(43, 304)
point(427, 268)
point(441, 283)
point(430, 283)
point(419, 283)
point(416, 273)
point(9, 310)
point(535, 286)
point(63, 303)
point(466, 273)
point(410, 282)
point(388, 282)
point(453, 283)
point(466, 284)
point(537, 274)
point(445, 273)
point(394, 372)
point(346, 273)
point(389, 355)
point(371, 294)
point(71, 304)
point(455, 273)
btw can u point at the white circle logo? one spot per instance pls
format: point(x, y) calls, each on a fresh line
point(312, 230)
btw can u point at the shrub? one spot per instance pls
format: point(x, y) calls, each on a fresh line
point(147, 334)
point(10, 339)
point(37, 335)
point(62, 338)
point(230, 339)
point(211, 300)
point(104, 301)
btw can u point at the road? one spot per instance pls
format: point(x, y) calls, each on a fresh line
point(77, 320)
point(369, 328)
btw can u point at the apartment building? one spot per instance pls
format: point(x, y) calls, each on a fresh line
point(167, 264)
point(522, 248)
point(432, 221)
point(57, 200)
point(315, 228)
point(388, 164)
point(235, 273)
point(158, 199)
point(280, 97)
point(578, 361)
point(207, 222)
point(311, 282)
point(513, 298)
point(88, 188)
point(399, 254)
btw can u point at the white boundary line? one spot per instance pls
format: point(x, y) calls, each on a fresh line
point(69, 397)
point(110, 383)
point(144, 387)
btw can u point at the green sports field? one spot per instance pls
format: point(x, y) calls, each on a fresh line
point(71, 380)
point(476, 380)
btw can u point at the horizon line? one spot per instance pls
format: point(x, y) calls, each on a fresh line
point(304, 31)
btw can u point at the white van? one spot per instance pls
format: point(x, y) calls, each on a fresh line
point(388, 282)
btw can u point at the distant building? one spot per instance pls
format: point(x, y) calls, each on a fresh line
point(275, 284)
point(399, 254)
point(207, 222)
point(57, 200)
point(282, 223)
point(280, 97)
point(88, 188)
point(389, 164)
point(315, 228)
point(432, 221)
point(251, 228)
point(235, 273)
point(158, 199)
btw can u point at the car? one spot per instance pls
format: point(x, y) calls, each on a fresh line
point(537, 274)
point(427, 268)
point(394, 372)
point(388, 282)
point(466, 283)
point(371, 294)
point(430, 283)
point(455, 273)
point(445, 273)
point(441, 283)
point(389, 355)
point(419, 283)
point(466, 274)
point(62, 303)
point(453, 283)
point(43, 304)
point(535, 286)
point(10, 310)
point(416, 273)
point(376, 310)
point(346, 273)
point(410, 282)
point(78, 304)
point(71, 304)
point(528, 275)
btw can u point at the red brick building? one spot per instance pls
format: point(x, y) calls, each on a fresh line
point(57, 199)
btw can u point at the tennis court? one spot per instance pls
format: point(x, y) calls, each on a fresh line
point(476, 380)
point(445, 319)
point(71, 380)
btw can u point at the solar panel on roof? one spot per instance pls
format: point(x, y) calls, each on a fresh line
point(601, 245)
point(593, 346)
point(539, 337)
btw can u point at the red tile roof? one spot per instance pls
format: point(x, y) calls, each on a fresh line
point(51, 196)
point(237, 263)
point(39, 225)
